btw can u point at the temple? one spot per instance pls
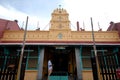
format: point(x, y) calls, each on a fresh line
point(69, 50)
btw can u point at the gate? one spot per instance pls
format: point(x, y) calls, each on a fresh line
point(108, 64)
point(9, 67)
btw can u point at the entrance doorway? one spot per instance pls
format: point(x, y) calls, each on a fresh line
point(60, 62)
point(63, 59)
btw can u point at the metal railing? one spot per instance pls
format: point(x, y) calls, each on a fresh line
point(9, 67)
point(108, 63)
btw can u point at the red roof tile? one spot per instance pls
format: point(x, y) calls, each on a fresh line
point(114, 27)
point(7, 25)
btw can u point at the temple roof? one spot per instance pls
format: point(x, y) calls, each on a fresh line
point(114, 27)
point(59, 33)
point(8, 25)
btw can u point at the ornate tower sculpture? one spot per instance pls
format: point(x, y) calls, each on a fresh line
point(60, 25)
point(60, 19)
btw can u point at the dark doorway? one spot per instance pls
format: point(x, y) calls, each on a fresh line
point(60, 61)
point(63, 59)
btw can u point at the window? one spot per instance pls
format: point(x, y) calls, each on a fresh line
point(86, 55)
point(32, 58)
point(60, 36)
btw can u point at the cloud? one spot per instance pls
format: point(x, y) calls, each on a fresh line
point(11, 13)
point(39, 11)
point(102, 11)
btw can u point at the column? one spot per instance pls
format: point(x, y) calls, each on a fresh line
point(40, 62)
point(78, 62)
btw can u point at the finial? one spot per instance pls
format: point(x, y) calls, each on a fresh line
point(59, 6)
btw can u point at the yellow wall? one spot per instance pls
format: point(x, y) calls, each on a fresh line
point(102, 36)
point(87, 75)
point(32, 75)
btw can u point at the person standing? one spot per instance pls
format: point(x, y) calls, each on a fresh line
point(50, 67)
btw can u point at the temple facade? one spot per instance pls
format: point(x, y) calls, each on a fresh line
point(69, 50)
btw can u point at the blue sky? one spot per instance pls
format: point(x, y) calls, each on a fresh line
point(32, 7)
point(39, 11)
